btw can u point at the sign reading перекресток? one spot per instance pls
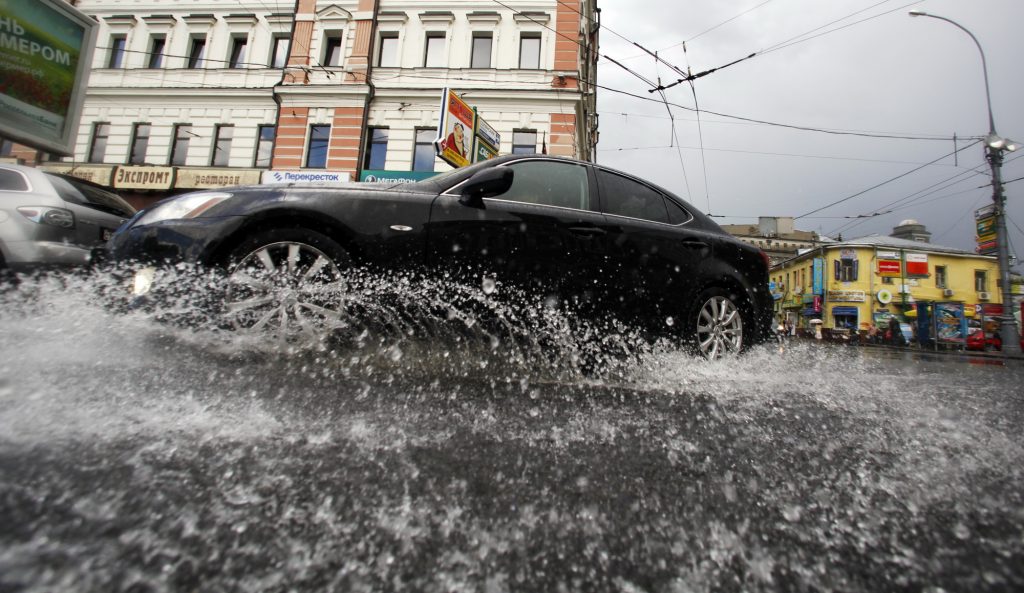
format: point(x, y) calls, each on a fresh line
point(306, 177)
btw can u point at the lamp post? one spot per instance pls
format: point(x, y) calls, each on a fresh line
point(995, 147)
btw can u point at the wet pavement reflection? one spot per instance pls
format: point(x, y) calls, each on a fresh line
point(135, 456)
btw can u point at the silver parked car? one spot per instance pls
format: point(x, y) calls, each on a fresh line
point(53, 221)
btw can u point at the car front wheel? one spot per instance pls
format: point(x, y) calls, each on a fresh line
point(717, 322)
point(286, 283)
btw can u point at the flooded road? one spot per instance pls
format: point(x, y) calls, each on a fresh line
point(135, 456)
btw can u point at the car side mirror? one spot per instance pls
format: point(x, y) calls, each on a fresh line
point(488, 183)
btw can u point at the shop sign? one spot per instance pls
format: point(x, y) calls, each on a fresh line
point(917, 264)
point(889, 268)
point(486, 134)
point(986, 226)
point(311, 176)
point(98, 174)
point(818, 276)
point(145, 178)
point(987, 248)
point(215, 178)
point(847, 296)
point(887, 254)
point(382, 176)
point(987, 210)
point(848, 254)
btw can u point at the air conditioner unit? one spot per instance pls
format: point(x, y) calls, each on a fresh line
point(983, 296)
point(947, 292)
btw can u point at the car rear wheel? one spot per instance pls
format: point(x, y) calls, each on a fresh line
point(286, 283)
point(717, 322)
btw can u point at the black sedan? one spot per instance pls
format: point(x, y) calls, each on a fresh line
point(561, 230)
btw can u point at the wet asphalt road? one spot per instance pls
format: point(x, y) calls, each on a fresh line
point(137, 459)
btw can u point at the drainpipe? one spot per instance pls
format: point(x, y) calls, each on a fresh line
point(360, 156)
point(280, 83)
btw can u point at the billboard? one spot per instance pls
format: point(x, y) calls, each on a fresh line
point(455, 133)
point(46, 50)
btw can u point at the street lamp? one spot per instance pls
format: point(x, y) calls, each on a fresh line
point(995, 147)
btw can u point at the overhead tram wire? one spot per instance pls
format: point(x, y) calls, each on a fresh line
point(789, 126)
point(876, 186)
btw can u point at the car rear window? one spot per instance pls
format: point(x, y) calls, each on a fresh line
point(11, 180)
point(625, 197)
point(76, 192)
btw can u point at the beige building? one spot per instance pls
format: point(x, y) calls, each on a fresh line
point(776, 236)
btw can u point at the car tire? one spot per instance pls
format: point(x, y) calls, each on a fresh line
point(717, 322)
point(286, 283)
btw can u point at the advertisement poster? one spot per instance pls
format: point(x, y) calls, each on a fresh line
point(950, 323)
point(45, 50)
point(487, 141)
point(818, 276)
point(455, 134)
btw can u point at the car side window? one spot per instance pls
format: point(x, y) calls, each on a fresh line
point(12, 181)
point(676, 213)
point(91, 197)
point(549, 183)
point(622, 196)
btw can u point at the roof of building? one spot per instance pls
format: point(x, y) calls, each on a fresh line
point(885, 241)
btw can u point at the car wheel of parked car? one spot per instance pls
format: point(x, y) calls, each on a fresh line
point(717, 324)
point(286, 283)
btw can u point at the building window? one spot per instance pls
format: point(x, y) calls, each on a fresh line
point(481, 52)
point(423, 153)
point(529, 52)
point(377, 149)
point(280, 57)
point(140, 143)
point(265, 146)
point(222, 145)
point(524, 142)
point(332, 51)
point(197, 53)
point(238, 47)
point(117, 47)
point(940, 277)
point(980, 281)
point(846, 270)
point(179, 150)
point(156, 52)
point(433, 51)
point(98, 145)
point(319, 138)
point(387, 57)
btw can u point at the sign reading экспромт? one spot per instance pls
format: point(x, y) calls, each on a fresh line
point(45, 53)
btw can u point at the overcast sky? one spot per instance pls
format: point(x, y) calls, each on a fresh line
point(892, 75)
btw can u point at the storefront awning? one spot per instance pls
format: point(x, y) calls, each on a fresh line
point(844, 311)
point(810, 312)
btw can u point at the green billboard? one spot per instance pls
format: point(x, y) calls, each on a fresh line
point(45, 52)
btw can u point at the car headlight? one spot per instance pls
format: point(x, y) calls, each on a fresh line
point(187, 206)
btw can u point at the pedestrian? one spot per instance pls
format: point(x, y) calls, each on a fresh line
point(872, 334)
point(895, 332)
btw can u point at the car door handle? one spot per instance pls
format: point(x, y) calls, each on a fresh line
point(587, 231)
point(695, 244)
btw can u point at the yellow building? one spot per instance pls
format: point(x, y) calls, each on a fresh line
point(851, 284)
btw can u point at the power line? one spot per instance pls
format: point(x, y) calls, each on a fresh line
point(876, 186)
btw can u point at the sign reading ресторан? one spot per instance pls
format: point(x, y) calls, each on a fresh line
point(144, 177)
point(189, 178)
point(306, 177)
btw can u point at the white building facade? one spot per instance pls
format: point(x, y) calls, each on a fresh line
point(189, 94)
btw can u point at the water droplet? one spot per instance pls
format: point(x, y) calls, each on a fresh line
point(489, 285)
point(670, 321)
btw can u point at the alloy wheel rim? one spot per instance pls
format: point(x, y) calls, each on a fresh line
point(286, 289)
point(719, 328)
